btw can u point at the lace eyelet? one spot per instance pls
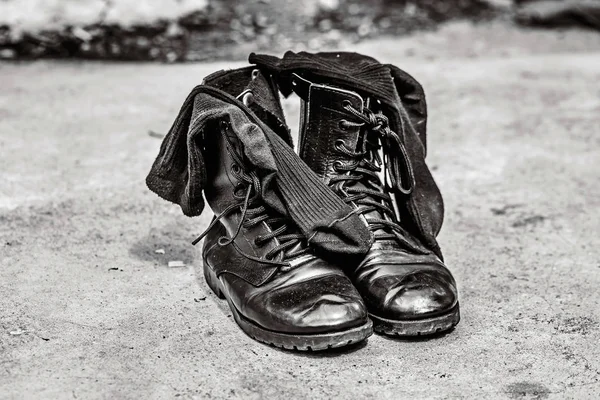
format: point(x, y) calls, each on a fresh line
point(224, 125)
point(338, 144)
point(337, 164)
point(346, 103)
point(343, 124)
point(238, 192)
point(235, 168)
point(255, 73)
point(248, 99)
point(258, 241)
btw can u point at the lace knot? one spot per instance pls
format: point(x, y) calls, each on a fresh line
point(253, 212)
point(399, 175)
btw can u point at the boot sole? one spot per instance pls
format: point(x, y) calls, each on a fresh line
point(419, 327)
point(298, 342)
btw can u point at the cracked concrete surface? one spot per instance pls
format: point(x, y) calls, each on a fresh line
point(88, 309)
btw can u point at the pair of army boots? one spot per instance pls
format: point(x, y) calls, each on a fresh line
point(316, 250)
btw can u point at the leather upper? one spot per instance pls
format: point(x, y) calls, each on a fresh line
point(310, 296)
point(314, 297)
point(399, 285)
point(396, 282)
point(317, 148)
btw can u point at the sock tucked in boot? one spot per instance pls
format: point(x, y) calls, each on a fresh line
point(363, 132)
point(256, 250)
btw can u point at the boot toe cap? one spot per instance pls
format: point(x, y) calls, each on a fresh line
point(408, 291)
point(419, 295)
point(323, 305)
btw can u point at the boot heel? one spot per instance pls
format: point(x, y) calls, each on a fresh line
point(212, 281)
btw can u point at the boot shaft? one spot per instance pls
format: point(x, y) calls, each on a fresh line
point(217, 142)
point(390, 97)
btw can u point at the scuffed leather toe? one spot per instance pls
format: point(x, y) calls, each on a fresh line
point(329, 303)
point(419, 295)
point(406, 291)
point(313, 298)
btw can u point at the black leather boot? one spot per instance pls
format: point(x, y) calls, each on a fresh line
point(255, 256)
point(306, 303)
point(370, 151)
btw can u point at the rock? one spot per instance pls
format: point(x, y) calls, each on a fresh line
point(385, 23)
point(235, 25)
point(315, 44)
point(325, 25)
point(500, 3)
point(249, 32)
point(354, 9)
point(364, 30)
point(247, 20)
point(154, 52)
point(143, 42)
point(171, 57)
point(329, 5)
point(174, 30)
point(262, 21)
point(7, 54)
point(271, 30)
point(81, 34)
point(334, 35)
point(176, 264)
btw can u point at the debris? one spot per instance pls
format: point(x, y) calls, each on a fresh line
point(157, 135)
point(18, 332)
point(325, 25)
point(171, 57)
point(113, 269)
point(199, 299)
point(533, 220)
point(174, 30)
point(154, 53)
point(261, 20)
point(329, 5)
point(176, 264)
point(7, 53)
point(159, 251)
point(81, 34)
point(504, 210)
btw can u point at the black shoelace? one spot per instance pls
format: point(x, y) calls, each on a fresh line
point(365, 168)
point(253, 213)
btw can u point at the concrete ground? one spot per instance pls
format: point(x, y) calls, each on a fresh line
point(88, 309)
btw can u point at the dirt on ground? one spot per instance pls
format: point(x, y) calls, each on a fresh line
point(90, 309)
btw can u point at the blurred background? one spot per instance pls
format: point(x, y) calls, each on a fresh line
point(195, 30)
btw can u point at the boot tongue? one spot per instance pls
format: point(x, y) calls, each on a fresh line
point(324, 126)
point(322, 112)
